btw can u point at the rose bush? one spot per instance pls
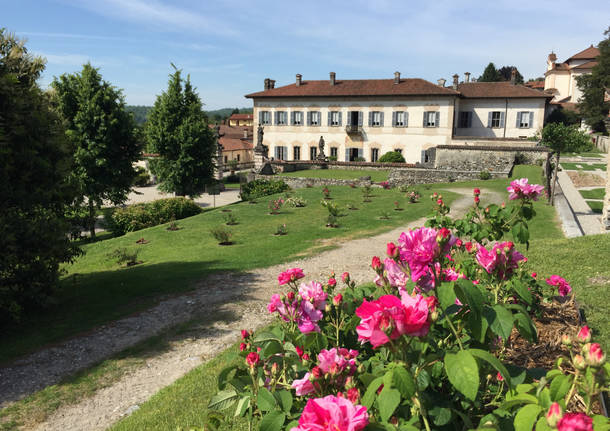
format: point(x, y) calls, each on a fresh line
point(417, 348)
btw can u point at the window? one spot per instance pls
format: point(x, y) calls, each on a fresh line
point(334, 118)
point(297, 118)
point(280, 153)
point(226, 159)
point(238, 157)
point(265, 117)
point(465, 120)
point(313, 118)
point(399, 119)
point(375, 119)
point(333, 151)
point(281, 118)
point(525, 119)
point(495, 119)
point(374, 154)
point(431, 119)
point(313, 152)
point(398, 150)
point(297, 153)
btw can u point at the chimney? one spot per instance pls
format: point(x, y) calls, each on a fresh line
point(271, 84)
point(552, 57)
point(245, 133)
point(332, 78)
point(441, 82)
point(456, 78)
point(299, 76)
point(513, 76)
point(466, 76)
point(396, 77)
point(267, 85)
point(550, 62)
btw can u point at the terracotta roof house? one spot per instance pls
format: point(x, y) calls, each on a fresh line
point(241, 120)
point(365, 118)
point(536, 85)
point(560, 78)
point(236, 144)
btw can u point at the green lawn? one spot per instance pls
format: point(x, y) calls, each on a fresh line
point(96, 291)
point(571, 166)
point(341, 174)
point(596, 206)
point(593, 193)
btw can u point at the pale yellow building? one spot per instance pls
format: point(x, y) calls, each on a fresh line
point(364, 119)
point(239, 120)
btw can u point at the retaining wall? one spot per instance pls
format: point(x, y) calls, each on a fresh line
point(485, 158)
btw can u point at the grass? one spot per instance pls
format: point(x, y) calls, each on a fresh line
point(596, 206)
point(341, 174)
point(95, 290)
point(593, 193)
point(570, 166)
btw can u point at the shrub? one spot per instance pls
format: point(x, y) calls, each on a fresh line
point(359, 159)
point(295, 202)
point(332, 158)
point(281, 230)
point(230, 219)
point(232, 178)
point(125, 256)
point(275, 205)
point(222, 235)
point(140, 216)
point(142, 178)
point(484, 175)
point(258, 188)
point(385, 185)
point(392, 157)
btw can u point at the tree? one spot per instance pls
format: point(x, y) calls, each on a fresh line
point(103, 134)
point(490, 74)
point(235, 111)
point(178, 130)
point(505, 73)
point(592, 105)
point(35, 163)
point(392, 157)
point(560, 137)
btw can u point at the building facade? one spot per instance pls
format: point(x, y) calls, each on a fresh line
point(364, 119)
point(239, 120)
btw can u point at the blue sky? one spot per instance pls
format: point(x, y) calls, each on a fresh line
point(229, 47)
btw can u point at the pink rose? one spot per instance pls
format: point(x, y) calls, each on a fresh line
point(477, 191)
point(594, 355)
point(252, 359)
point(337, 299)
point(415, 320)
point(332, 282)
point(290, 275)
point(563, 287)
point(584, 335)
point(575, 422)
point(377, 319)
point(520, 189)
point(376, 263)
point(395, 274)
point(313, 293)
point(502, 260)
point(303, 386)
point(332, 413)
point(345, 277)
point(392, 250)
point(554, 415)
point(337, 360)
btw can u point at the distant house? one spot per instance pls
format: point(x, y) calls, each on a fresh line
point(560, 78)
point(236, 144)
point(241, 120)
point(367, 118)
point(536, 85)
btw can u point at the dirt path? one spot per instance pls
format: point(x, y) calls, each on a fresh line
point(234, 301)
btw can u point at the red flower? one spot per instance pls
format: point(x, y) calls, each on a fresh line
point(376, 263)
point(252, 359)
point(584, 335)
point(242, 347)
point(244, 334)
point(299, 350)
point(575, 422)
point(392, 250)
point(332, 282)
point(477, 191)
point(345, 277)
point(337, 299)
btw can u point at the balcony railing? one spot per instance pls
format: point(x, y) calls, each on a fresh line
point(353, 129)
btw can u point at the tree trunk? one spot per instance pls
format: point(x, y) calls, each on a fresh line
point(91, 219)
point(555, 180)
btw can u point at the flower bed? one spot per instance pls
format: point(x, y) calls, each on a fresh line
point(436, 342)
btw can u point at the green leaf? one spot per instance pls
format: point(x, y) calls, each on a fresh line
point(403, 381)
point(601, 423)
point(223, 399)
point(273, 421)
point(520, 233)
point(463, 373)
point(266, 336)
point(526, 327)
point(223, 375)
point(242, 406)
point(469, 295)
point(478, 327)
point(285, 399)
point(526, 417)
point(265, 400)
point(522, 291)
point(493, 361)
point(369, 396)
point(542, 425)
point(502, 323)
point(545, 398)
point(271, 348)
point(440, 415)
point(387, 401)
point(446, 295)
point(560, 386)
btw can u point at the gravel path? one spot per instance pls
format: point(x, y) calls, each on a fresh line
point(236, 301)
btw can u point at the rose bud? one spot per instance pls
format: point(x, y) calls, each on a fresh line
point(376, 264)
point(477, 191)
point(534, 275)
point(242, 347)
point(579, 362)
point(503, 205)
point(554, 415)
point(332, 282)
point(499, 377)
point(316, 372)
point(594, 355)
point(244, 334)
point(274, 369)
point(439, 202)
point(443, 233)
point(305, 357)
point(434, 195)
point(584, 335)
point(477, 200)
point(391, 250)
point(252, 359)
point(337, 299)
point(459, 243)
point(566, 340)
point(290, 296)
point(299, 350)
point(353, 395)
point(345, 277)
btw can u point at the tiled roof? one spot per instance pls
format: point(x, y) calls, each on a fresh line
point(233, 131)
point(358, 87)
point(498, 90)
point(233, 144)
point(535, 84)
point(587, 54)
point(559, 66)
point(587, 65)
point(241, 117)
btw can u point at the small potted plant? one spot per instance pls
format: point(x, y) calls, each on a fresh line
point(275, 205)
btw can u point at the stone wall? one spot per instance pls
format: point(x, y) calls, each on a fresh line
point(602, 143)
point(293, 166)
point(300, 182)
point(490, 158)
point(606, 209)
point(429, 176)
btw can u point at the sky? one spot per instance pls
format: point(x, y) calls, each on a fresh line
point(229, 47)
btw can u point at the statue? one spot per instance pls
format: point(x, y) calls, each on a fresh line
point(259, 139)
point(321, 155)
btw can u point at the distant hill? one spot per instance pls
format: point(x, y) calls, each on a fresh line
point(140, 113)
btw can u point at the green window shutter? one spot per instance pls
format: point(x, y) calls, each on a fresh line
point(292, 118)
point(309, 118)
point(406, 119)
point(329, 118)
point(260, 117)
point(394, 115)
point(518, 120)
point(360, 118)
point(489, 117)
point(437, 119)
point(425, 119)
point(339, 119)
point(531, 124)
point(501, 119)
point(370, 118)
point(348, 120)
point(381, 122)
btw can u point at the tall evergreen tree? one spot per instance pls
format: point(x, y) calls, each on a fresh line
point(35, 162)
point(505, 73)
point(490, 74)
point(592, 105)
point(177, 129)
point(103, 134)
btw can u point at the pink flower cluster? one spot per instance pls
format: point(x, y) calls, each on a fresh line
point(334, 365)
point(390, 317)
point(563, 287)
point(520, 189)
point(332, 413)
point(290, 275)
point(305, 309)
point(502, 259)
